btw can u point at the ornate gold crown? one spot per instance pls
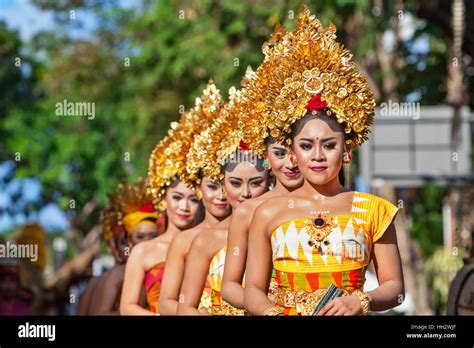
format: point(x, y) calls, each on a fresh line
point(223, 138)
point(127, 199)
point(312, 64)
point(108, 219)
point(168, 159)
point(196, 159)
point(252, 119)
point(218, 141)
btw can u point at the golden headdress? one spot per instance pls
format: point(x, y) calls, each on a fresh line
point(314, 71)
point(252, 108)
point(196, 159)
point(128, 206)
point(220, 141)
point(109, 221)
point(168, 159)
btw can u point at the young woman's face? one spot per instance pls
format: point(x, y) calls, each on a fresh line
point(244, 182)
point(285, 172)
point(213, 198)
point(143, 231)
point(182, 206)
point(319, 150)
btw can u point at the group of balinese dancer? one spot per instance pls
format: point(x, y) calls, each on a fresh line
point(246, 209)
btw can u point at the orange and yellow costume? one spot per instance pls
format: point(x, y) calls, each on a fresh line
point(340, 258)
point(216, 272)
point(153, 278)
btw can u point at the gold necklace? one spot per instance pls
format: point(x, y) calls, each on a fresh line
point(318, 229)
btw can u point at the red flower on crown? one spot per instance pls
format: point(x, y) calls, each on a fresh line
point(316, 103)
point(118, 230)
point(147, 208)
point(243, 146)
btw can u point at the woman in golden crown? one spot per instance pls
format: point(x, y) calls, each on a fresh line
point(180, 203)
point(228, 159)
point(216, 209)
point(129, 219)
point(287, 176)
point(321, 237)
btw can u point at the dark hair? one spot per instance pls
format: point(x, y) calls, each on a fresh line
point(151, 219)
point(239, 157)
point(333, 124)
point(269, 141)
point(321, 114)
point(175, 182)
point(342, 176)
point(200, 174)
point(200, 215)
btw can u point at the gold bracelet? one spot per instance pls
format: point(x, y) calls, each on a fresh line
point(273, 311)
point(364, 301)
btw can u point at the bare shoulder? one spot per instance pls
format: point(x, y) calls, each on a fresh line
point(186, 237)
point(243, 214)
point(247, 208)
point(208, 240)
point(244, 210)
point(140, 250)
point(273, 206)
point(278, 209)
point(159, 245)
point(207, 235)
point(181, 244)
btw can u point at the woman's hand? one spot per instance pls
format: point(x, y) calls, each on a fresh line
point(344, 305)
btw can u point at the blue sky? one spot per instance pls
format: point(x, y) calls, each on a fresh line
point(25, 17)
point(28, 19)
point(29, 191)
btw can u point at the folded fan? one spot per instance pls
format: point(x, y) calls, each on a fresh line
point(331, 293)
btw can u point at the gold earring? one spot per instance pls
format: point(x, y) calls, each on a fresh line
point(346, 157)
point(199, 194)
point(162, 205)
point(293, 159)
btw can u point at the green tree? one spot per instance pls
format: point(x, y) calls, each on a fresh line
point(141, 66)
